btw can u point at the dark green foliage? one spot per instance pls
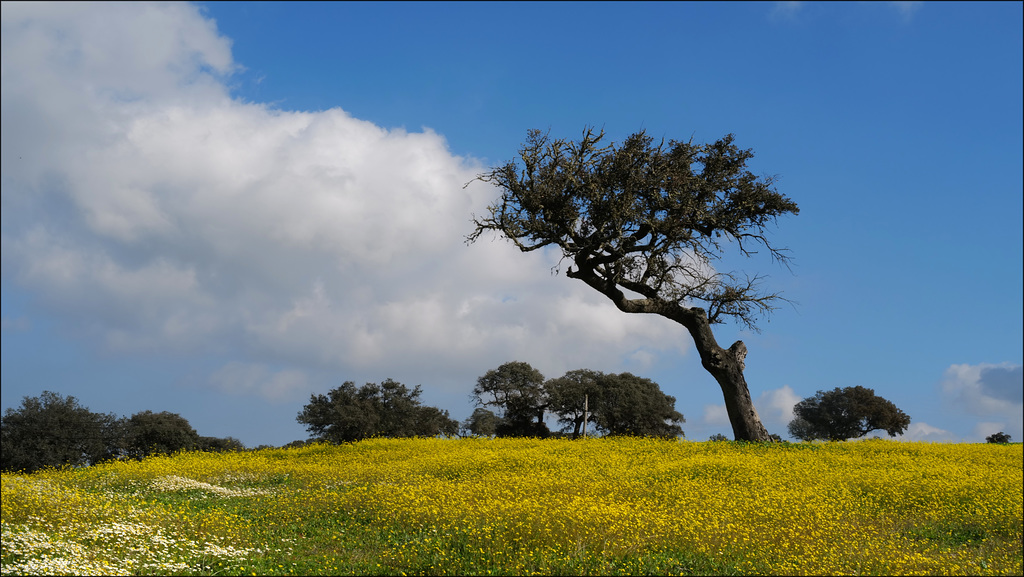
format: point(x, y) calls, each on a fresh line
point(517, 390)
point(390, 409)
point(431, 421)
point(343, 415)
point(847, 413)
point(52, 431)
point(647, 225)
point(622, 404)
point(644, 216)
point(148, 433)
point(567, 394)
point(718, 437)
point(482, 422)
point(949, 535)
point(215, 444)
point(1000, 437)
point(632, 405)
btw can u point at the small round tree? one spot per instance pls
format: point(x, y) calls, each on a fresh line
point(1000, 437)
point(847, 413)
point(163, 433)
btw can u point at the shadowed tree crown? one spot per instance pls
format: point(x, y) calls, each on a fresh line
point(53, 430)
point(644, 224)
point(1000, 438)
point(846, 413)
point(148, 433)
point(516, 389)
point(481, 422)
point(349, 413)
point(623, 404)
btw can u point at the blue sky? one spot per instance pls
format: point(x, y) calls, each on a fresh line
point(218, 209)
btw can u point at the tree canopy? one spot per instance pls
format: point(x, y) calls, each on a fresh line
point(52, 430)
point(622, 404)
point(567, 394)
point(846, 413)
point(148, 433)
point(482, 422)
point(516, 389)
point(220, 444)
point(636, 406)
point(390, 409)
point(618, 404)
point(644, 224)
point(999, 438)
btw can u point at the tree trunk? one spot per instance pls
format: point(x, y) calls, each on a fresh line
point(727, 365)
point(576, 424)
point(746, 424)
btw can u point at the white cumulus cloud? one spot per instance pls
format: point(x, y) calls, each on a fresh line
point(715, 415)
point(921, 432)
point(151, 211)
point(775, 407)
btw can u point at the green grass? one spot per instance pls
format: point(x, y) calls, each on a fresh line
point(474, 507)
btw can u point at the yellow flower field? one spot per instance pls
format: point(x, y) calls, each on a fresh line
point(504, 506)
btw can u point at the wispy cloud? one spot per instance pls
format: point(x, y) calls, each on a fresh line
point(258, 378)
point(714, 415)
point(786, 10)
point(775, 407)
point(790, 10)
point(906, 9)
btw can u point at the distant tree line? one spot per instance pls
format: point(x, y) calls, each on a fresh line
point(520, 397)
point(512, 400)
point(52, 430)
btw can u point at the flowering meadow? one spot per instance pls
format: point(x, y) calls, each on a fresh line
point(524, 506)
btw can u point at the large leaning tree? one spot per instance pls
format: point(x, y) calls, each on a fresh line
point(644, 224)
